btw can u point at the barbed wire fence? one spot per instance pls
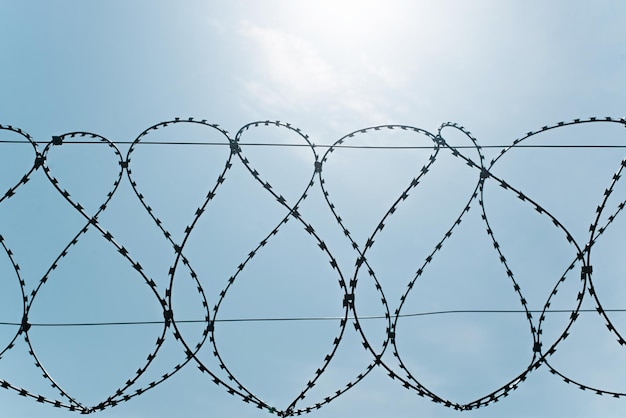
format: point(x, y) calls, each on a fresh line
point(541, 351)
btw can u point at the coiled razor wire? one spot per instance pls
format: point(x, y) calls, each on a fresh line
point(542, 349)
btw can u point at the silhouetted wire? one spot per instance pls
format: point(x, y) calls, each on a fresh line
point(542, 349)
point(311, 318)
point(288, 145)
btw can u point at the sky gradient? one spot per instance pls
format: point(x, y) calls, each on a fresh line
point(498, 69)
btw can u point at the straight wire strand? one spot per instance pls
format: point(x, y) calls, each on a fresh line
point(320, 318)
point(272, 144)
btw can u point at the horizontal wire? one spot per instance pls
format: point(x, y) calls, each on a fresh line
point(322, 318)
point(271, 144)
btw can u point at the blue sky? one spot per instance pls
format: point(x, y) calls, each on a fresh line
point(500, 69)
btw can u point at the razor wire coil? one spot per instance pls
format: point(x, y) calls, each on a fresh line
point(542, 350)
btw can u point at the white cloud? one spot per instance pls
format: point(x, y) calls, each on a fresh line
point(290, 63)
point(292, 73)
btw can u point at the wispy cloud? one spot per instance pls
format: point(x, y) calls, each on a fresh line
point(292, 73)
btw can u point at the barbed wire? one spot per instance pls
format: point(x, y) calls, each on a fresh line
point(348, 282)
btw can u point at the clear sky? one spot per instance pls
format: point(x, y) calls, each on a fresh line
point(328, 68)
